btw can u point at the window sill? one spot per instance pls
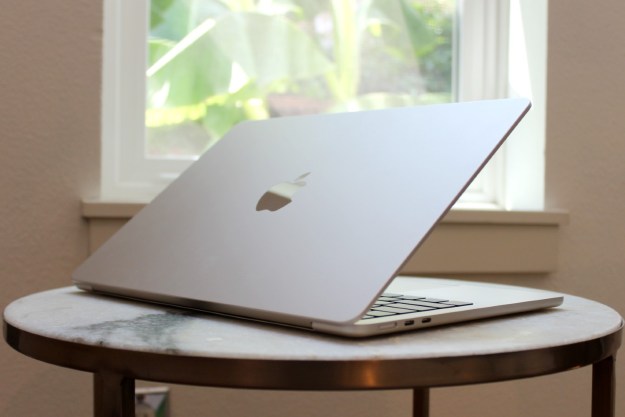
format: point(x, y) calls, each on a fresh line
point(465, 242)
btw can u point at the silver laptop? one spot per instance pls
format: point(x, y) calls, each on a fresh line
point(305, 221)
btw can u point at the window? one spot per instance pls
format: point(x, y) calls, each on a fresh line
point(161, 110)
point(212, 63)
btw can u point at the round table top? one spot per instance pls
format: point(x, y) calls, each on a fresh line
point(95, 333)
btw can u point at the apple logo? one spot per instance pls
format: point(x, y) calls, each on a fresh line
point(280, 194)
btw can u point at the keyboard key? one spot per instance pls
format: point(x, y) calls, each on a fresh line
point(411, 297)
point(415, 302)
point(394, 310)
point(387, 299)
point(411, 307)
point(458, 303)
point(379, 313)
point(389, 304)
point(427, 304)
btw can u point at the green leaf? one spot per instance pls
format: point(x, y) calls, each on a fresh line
point(158, 9)
point(349, 22)
point(177, 18)
point(188, 73)
point(422, 35)
point(157, 48)
point(269, 48)
point(219, 119)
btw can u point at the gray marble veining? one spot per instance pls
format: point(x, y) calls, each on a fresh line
point(76, 316)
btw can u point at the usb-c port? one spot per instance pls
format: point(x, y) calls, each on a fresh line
point(408, 322)
point(426, 320)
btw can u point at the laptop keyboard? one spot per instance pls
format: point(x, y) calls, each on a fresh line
point(395, 304)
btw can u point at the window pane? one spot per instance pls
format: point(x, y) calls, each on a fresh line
point(214, 63)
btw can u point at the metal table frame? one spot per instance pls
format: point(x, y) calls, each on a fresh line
point(115, 370)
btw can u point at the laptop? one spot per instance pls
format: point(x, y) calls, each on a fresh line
point(306, 221)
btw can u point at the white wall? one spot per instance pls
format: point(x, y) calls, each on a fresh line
point(49, 160)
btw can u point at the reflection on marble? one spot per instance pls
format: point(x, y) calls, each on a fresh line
point(76, 316)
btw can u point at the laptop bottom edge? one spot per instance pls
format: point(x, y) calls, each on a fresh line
point(411, 322)
point(197, 306)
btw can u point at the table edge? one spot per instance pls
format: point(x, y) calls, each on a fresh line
point(313, 374)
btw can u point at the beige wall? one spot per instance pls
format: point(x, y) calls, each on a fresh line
point(49, 104)
point(49, 99)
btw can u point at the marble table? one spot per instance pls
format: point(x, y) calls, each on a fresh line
point(120, 341)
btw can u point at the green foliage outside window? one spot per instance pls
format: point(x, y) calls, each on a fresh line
point(214, 63)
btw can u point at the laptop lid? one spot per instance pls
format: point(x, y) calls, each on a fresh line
point(307, 218)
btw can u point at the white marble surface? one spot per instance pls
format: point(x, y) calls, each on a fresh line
point(73, 315)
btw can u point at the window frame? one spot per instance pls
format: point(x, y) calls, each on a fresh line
point(128, 176)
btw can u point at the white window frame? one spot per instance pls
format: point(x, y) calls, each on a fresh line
point(494, 65)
